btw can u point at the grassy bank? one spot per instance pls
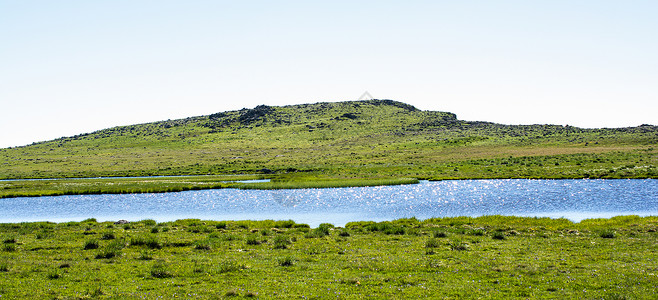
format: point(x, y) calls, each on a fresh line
point(80, 186)
point(485, 257)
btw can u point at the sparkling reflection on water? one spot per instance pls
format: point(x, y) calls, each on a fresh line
point(572, 199)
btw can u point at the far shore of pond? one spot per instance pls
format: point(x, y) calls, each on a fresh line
point(36, 187)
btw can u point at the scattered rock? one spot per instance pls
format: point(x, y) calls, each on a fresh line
point(121, 222)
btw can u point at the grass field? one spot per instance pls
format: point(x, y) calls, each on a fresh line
point(454, 258)
point(325, 145)
point(358, 143)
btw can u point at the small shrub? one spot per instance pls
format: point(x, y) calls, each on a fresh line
point(106, 253)
point(322, 231)
point(155, 230)
point(53, 274)
point(386, 228)
point(343, 233)
point(477, 232)
point(285, 261)
point(9, 240)
point(250, 294)
point(149, 222)
point(153, 243)
point(498, 235)
point(180, 244)
point(9, 247)
point(231, 293)
point(90, 244)
point(4, 267)
point(608, 234)
point(439, 234)
point(281, 242)
point(284, 224)
point(111, 250)
point(221, 225)
point(165, 229)
point(314, 234)
point(252, 240)
point(64, 265)
point(149, 241)
point(90, 220)
point(108, 235)
point(324, 228)
point(395, 230)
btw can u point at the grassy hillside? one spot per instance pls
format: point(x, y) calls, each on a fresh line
point(346, 140)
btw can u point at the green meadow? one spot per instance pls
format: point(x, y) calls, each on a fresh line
point(492, 257)
point(352, 143)
point(356, 143)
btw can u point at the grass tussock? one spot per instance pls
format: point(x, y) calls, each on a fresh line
point(228, 266)
point(111, 250)
point(90, 244)
point(498, 235)
point(160, 269)
point(285, 261)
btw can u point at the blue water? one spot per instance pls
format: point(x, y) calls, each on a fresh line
point(572, 199)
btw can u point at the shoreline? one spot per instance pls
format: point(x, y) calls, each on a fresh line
point(15, 188)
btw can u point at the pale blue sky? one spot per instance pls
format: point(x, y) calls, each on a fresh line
point(70, 67)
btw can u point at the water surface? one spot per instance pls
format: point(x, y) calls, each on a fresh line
point(571, 199)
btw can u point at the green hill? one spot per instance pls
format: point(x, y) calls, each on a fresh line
point(354, 139)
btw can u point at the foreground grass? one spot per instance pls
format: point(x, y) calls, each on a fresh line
point(486, 257)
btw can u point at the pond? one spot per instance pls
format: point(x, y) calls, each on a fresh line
point(571, 199)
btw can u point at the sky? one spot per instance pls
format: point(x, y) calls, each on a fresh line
point(77, 66)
